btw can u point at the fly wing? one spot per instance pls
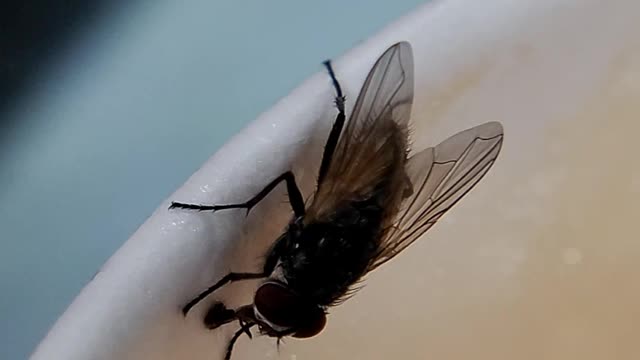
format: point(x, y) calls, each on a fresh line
point(440, 176)
point(374, 139)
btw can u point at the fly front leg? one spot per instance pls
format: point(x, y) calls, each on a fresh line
point(219, 315)
point(267, 269)
point(244, 329)
point(229, 278)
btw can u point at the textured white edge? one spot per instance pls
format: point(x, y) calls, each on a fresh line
point(131, 308)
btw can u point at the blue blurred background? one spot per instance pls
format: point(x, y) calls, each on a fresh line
point(106, 108)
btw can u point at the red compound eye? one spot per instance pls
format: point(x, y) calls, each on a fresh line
point(284, 308)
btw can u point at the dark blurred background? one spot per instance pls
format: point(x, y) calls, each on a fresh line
point(33, 33)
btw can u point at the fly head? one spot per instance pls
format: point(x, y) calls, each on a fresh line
point(282, 312)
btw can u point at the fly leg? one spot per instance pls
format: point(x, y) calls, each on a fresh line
point(269, 265)
point(243, 330)
point(229, 278)
point(295, 198)
point(297, 204)
point(334, 135)
point(219, 315)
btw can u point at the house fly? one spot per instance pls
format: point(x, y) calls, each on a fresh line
point(372, 200)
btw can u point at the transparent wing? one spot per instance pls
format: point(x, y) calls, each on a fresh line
point(387, 94)
point(440, 176)
point(375, 137)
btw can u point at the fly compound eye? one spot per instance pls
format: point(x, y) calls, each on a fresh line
point(287, 311)
point(314, 324)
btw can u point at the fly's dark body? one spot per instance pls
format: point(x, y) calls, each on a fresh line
point(321, 261)
point(372, 201)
